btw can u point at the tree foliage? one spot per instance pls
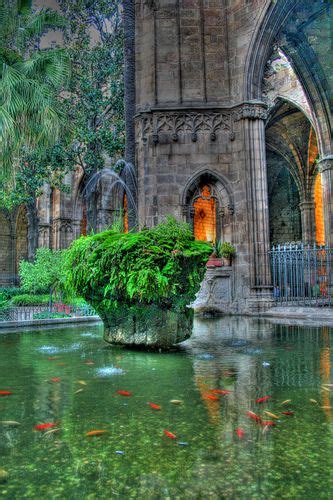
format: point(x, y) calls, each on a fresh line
point(162, 266)
point(45, 273)
point(31, 79)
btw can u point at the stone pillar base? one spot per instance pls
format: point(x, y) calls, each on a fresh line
point(260, 301)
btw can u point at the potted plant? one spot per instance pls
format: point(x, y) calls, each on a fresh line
point(222, 254)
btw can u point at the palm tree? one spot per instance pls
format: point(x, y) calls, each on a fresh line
point(30, 81)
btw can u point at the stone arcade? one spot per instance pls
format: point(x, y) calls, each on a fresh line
point(233, 135)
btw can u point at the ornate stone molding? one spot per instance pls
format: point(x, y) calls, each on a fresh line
point(62, 226)
point(176, 122)
point(325, 164)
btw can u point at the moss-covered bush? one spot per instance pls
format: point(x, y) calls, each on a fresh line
point(30, 300)
point(162, 266)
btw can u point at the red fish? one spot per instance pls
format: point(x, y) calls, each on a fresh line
point(211, 396)
point(55, 379)
point(262, 400)
point(268, 423)
point(240, 433)
point(5, 393)
point(223, 392)
point(44, 427)
point(253, 416)
point(154, 407)
point(288, 413)
point(170, 434)
point(124, 393)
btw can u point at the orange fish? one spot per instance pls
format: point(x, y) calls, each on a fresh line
point(253, 416)
point(211, 396)
point(240, 433)
point(5, 393)
point(268, 423)
point(170, 434)
point(262, 400)
point(288, 413)
point(154, 407)
point(55, 379)
point(223, 392)
point(97, 432)
point(43, 427)
point(52, 358)
point(124, 393)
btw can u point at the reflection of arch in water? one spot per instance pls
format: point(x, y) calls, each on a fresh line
point(208, 206)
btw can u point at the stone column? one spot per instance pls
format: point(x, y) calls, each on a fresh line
point(326, 169)
point(307, 209)
point(256, 172)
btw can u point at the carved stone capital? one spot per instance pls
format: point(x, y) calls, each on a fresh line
point(325, 164)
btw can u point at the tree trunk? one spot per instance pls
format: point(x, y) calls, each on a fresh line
point(129, 99)
point(32, 214)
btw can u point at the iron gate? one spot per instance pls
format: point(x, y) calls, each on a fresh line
point(302, 274)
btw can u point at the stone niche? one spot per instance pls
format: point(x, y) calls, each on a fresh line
point(216, 294)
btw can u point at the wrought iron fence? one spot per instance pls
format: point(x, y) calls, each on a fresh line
point(302, 275)
point(24, 313)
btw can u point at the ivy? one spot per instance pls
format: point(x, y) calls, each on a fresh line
point(162, 266)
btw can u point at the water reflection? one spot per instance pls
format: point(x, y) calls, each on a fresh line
point(77, 388)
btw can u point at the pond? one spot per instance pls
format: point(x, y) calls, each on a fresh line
point(213, 447)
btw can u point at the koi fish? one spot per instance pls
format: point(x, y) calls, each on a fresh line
point(170, 435)
point(78, 391)
point(326, 407)
point(328, 385)
point(5, 393)
point(272, 415)
point(223, 392)
point(240, 433)
point(176, 401)
point(313, 401)
point(52, 431)
point(89, 362)
point(81, 382)
point(124, 393)
point(11, 423)
point(288, 413)
point(263, 399)
point(253, 416)
point(326, 388)
point(97, 432)
point(211, 396)
point(52, 358)
point(268, 423)
point(55, 379)
point(154, 407)
point(43, 427)
point(286, 402)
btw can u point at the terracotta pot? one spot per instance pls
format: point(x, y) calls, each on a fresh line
point(214, 262)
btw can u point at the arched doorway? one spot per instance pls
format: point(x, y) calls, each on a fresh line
point(204, 217)
point(208, 207)
point(6, 251)
point(21, 237)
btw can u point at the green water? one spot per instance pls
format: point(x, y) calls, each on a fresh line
point(292, 460)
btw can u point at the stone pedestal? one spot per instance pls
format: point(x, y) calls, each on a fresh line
point(216, 293)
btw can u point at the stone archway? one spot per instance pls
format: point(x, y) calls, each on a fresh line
point(21, 233)
point(208, 207)
point(6, 250)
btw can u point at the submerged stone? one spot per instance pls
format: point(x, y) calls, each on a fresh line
point(3, 476)
point(149, 326)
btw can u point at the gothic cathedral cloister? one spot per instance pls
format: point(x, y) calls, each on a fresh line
point(233, 135)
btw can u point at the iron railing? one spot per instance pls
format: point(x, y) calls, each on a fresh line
point(302, 275)
point(24, 313)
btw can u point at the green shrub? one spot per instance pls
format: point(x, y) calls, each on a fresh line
point(45, 273)
point(47, 315)
point(30, 300)
point(162, 266)
point(7, 293)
